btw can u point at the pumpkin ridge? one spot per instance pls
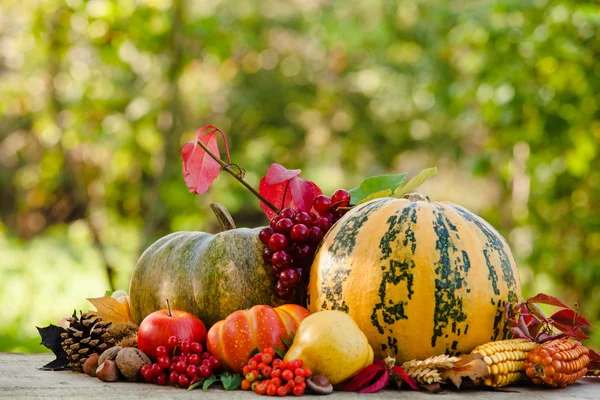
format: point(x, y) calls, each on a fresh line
point(498, 244)
point(448, 306)
point(397, 271)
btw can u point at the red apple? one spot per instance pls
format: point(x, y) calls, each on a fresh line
point(157, 327)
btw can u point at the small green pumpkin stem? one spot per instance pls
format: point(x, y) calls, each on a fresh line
point(168, 308)
point(416, 197)
point(225, 219)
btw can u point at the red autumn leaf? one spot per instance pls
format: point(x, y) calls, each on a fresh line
point(537, 312)
point(381, 382)
point(594, 365)
point(567, 318)
point(363, 377)
point(545, 299)
point(277, 173)
point(405, 377)
point(518, 333)
point(299, 193)
point(199, 168)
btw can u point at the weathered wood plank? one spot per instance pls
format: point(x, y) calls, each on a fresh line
point(20, 378)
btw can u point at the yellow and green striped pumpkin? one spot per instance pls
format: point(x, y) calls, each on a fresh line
point(420, 278)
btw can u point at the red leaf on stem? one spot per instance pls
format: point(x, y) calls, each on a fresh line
point(545, 299)
point(362, 378)
point(594, 365)
point(299, 195)
point(199, 168)
point(568, 318)
point(405, 377)
point(379, 384)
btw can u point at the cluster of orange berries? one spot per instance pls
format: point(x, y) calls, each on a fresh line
point(268, 375)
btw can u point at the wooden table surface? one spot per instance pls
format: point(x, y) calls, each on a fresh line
point(20, 379)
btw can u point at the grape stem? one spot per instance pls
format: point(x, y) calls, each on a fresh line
point(237, 175)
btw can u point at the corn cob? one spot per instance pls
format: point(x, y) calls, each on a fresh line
point(504, 360)
point(557, 363)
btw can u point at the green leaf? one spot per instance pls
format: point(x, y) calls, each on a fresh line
point(255, 351)
point(376, 195)
point(109, 293)
point(415, 182)
point(195, 385)
point(225, 379)
point(376, 184)
point(279, 352)
point(287, 343)
point(233, 382)
point(209, 381)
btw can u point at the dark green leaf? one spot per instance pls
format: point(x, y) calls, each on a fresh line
point(233, 382)
point(376, 184)
point(287, 343)
point(209, 381)
point(279, 352)
point(254, 352)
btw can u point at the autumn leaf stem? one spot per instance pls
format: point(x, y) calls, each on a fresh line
point(237, 175)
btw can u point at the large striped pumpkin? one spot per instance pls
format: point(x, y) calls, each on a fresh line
point(420, 278)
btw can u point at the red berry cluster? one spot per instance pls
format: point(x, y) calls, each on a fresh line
point(267, 375)
point(190, 365)
point(292, 237)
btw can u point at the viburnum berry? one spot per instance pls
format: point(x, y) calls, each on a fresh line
point(204, 371)
point(161, 351)
point(180, 367)
point(196, 347)
point(156, 369)
point(173, 377)
point(183, 380)
point(265, 234)
point(193, 359)
point(162, 379)
point(340, 198)
point(284, 225)
point(215, 363)
point(164, 362)
point(321, 203)
point(185, 347)
point(171, 343)
point(287, 213)
point(191, 371)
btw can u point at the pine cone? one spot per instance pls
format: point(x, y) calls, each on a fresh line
point(86, 335)
point(428, 371)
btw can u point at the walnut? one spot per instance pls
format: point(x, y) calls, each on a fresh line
point(109, 354)
point(130, 360)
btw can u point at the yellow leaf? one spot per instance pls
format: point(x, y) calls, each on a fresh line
point(376, 195)
point(111, 310)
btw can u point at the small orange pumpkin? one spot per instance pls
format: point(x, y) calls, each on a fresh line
point(233, 339)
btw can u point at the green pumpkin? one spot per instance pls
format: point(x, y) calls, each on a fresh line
point(208, 275)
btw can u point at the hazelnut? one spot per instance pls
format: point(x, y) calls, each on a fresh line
point(91, 365)
point(107, 371)
point(130, 360)
point(319, 385)
point(109, 354)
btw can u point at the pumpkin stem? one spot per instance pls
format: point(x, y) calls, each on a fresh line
point(416, 197)
point(168, 308)
point(225, 219)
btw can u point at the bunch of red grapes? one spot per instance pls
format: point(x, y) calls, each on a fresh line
point(268, 375)
point(292, 238)
point(188, 367)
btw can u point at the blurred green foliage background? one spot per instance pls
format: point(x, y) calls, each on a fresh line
point(98, 96)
